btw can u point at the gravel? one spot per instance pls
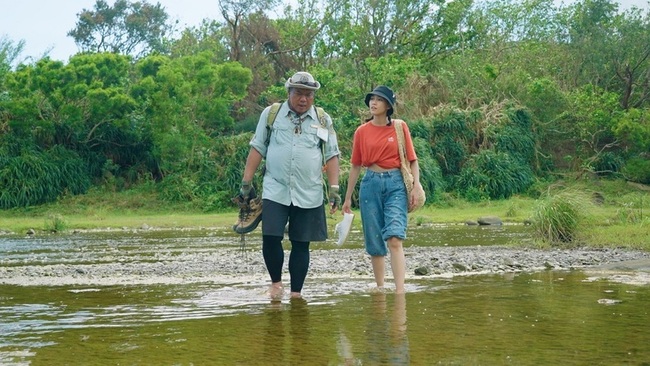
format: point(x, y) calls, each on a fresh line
point(228, 265)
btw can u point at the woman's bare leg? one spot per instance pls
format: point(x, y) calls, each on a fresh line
point(378, 269)
point(397, 263)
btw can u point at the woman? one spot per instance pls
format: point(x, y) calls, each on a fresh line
point(382, 196)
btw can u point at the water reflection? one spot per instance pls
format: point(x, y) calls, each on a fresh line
point(384, 339)
point(302, 348)
point(523, 319)
point(288, 337)
point(273, 336)
point(388, 342)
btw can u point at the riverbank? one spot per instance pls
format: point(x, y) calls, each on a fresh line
point(200, 263)
point(618, 219)
point(616, 232)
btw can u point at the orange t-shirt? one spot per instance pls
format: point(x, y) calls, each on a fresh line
point(378, 145)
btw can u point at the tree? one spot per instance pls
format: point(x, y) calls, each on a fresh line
point(9, 53)
point(235, 13)
point(359, 29)
point(186, 103)
point(83, 106)
point(447, 30)
point(630, 51)
point(208, 36)
point(612, 50)
point(130, 28)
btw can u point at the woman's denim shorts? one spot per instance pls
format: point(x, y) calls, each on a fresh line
point(383, 203)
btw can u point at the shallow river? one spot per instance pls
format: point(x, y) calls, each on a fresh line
point(541, 318)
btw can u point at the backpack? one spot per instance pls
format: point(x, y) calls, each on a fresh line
point(273, 114)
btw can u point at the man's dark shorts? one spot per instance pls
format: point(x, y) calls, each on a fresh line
point(305, 224)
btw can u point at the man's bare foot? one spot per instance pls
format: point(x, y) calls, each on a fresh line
point(276, 291)
point(295, 295)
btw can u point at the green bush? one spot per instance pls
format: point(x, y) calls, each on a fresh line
point(493, 175)
point(450, 145)
point(36, 177)
point(214, 177)
point(637, 170)
point(515, 137)
point(607, 164)
point(177, 188)
point(556, 217)
point(55, 223)
point(430, 173)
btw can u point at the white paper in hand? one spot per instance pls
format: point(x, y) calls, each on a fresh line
point(343, 228)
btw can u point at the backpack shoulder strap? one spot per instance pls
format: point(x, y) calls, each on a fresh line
point(320, 114)
point(273, 114)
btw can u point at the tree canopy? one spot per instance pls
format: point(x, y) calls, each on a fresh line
point(130, 28)
point(498, 94)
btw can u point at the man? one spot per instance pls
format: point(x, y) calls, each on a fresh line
point(300, 142)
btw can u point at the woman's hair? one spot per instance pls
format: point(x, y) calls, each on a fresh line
point(390, 121)
point(388, 113)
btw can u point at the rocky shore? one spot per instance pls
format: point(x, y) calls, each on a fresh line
point(229, 264)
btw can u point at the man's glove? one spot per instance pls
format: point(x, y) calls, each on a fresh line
point(245, 189)
point(335, 197)
point(245, 195)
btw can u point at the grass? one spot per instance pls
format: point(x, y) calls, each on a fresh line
point(621, 220)
point(556, 218)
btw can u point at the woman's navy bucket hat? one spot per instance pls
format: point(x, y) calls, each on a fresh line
point(384, 92)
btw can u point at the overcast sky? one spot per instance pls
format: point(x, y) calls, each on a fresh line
point(44, 24)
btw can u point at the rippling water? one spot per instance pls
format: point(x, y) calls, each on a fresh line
point(544, 318)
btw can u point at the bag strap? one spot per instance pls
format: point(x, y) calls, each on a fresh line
point(399, 130)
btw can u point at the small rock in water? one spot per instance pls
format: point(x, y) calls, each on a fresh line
point(459, 267)
point(609, 301)
point(489, 220)
point(422, 271)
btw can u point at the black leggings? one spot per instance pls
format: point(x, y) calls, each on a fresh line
point(298, 260)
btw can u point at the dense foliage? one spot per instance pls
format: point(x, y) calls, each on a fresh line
point(497, 94)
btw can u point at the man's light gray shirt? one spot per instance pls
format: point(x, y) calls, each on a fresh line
point(294, 161)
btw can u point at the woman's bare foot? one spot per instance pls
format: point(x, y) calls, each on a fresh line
point(295, 295)
point(377, 290)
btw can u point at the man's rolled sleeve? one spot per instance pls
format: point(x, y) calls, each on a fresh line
point(258, 141)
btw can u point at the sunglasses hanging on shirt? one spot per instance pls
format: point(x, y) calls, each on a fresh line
point(297, 122)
